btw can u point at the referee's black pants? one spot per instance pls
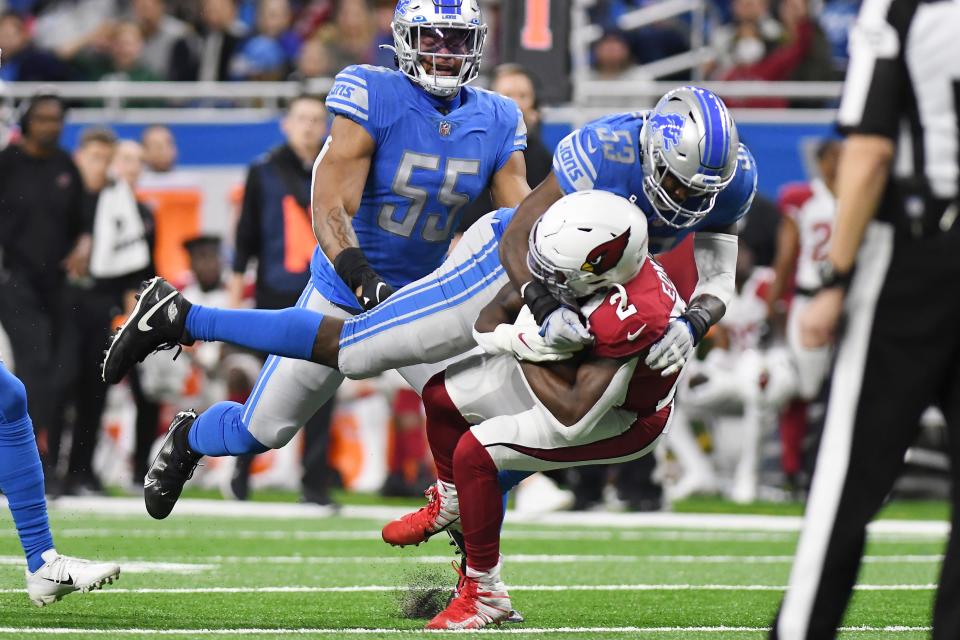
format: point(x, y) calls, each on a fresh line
point(899, 353)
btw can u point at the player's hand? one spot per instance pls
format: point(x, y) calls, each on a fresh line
point(671, 352)
point(521, 342)
point(372, 290)
point(563, 330)
point(819, 320)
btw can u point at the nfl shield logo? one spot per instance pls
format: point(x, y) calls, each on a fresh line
point(445, 128)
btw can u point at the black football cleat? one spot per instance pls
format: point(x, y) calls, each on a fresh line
point(157, 322)
point(173, 466)
point(460, 548)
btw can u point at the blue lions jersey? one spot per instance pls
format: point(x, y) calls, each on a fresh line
point(426, 167)
point(605, 154)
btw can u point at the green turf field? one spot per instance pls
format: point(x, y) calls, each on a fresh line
point(276, 577)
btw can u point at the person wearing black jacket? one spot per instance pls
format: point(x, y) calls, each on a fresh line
point(44, 236)
point(121, 258)
point(274, 228)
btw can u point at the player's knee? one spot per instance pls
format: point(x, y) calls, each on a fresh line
point(438, 406)
point(471, 457)
point(13, 397)
point(272, 436)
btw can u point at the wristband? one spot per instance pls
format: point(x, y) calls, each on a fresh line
point(352, 267)
point(539, 300)
point(698, 319)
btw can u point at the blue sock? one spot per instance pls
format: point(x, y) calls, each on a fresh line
point(509, 479)
point(219, 431)
point(21, 474)
point(285, 332)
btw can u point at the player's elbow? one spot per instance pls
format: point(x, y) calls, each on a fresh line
point(572, 411)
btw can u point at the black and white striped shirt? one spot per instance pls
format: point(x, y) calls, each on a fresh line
point(903, 82)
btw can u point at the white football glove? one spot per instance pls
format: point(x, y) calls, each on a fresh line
point(564, 331)
point(522, 340)
point(671, 351)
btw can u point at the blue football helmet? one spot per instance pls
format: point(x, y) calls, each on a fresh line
point(690, 135)
point(439, 31)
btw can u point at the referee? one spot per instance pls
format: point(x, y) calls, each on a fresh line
point(892, 273)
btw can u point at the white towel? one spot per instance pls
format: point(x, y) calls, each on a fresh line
point(119, 238)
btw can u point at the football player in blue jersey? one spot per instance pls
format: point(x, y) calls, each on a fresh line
point(408, 149)
point(682, 164)
point(50, 576)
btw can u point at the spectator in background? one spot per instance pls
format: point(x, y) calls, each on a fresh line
point(159, 150)
point(520, 85)
point(161, 32)
point(612, 59)
point(66, 26)
point(22, 60)
point(270, 53)
point(802, 53)
point(383, 35)
point(123, 61)
point(314, 61)
point(92, 156)
point(45, 236)
point(275, 229)
point(351, 35)
point(207, 56)
point(748, 39)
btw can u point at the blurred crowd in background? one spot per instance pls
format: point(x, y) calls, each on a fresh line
point(185, 40)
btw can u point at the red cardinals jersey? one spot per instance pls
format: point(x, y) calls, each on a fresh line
point(625, 326)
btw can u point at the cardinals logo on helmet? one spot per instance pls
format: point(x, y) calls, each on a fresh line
point(605, 256)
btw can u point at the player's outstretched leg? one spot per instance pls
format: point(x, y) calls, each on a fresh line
point(219, 431)
point(482, 598)
point(163, 319)
point(445, 425)
point(49, 575)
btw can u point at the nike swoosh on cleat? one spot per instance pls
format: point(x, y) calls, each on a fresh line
point(142, 324)
point(68, 582)
point(633, 335)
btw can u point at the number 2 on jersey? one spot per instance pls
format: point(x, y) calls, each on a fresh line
point(432, 230)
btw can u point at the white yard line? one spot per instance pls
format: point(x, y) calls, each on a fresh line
point(510, 533)
point(661, 520)
point(15, 631)
point(532, 587)
point(138, 566)
point(206, 563)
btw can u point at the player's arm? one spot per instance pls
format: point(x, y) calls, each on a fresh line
point(513, 244)
point(715, 252)
point(569, 401)
point(339, 176)
point(784, 261)
point(559, 326)
point(498, 331)
point(509, 185)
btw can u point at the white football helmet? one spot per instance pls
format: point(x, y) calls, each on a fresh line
point(585, 242)
point(690, 135)
point(438, 30)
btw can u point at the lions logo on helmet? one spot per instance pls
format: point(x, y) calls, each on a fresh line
point(689, 140)
point(438, 43)
point(605, 256)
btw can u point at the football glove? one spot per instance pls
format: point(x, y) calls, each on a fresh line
point(352, 267)
point(682, 336)
point(564, 330)
point(522, 340)
point(671, 351)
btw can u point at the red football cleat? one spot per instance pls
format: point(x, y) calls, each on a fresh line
point(476, 605)
point(441, 512)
